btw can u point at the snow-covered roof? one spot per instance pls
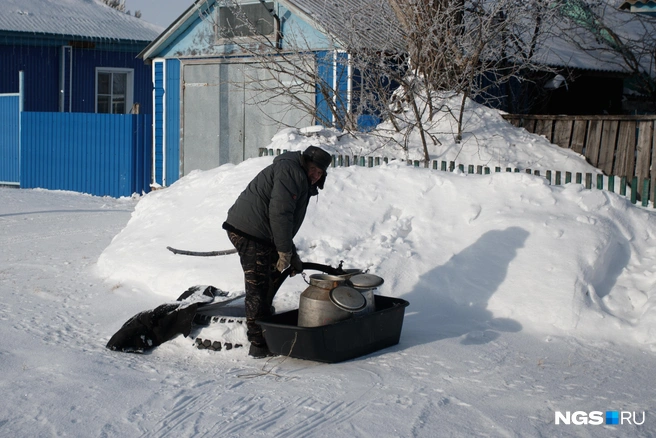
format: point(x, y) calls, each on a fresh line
point(580, 42)
point(82, 18)
point(373, 24)
point(356, 23)
point(377, 27)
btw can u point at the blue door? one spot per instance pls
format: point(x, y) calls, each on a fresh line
point(9, 139)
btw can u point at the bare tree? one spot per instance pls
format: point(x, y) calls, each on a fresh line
point(119, 5)
point(616, 39)
point(400, 56)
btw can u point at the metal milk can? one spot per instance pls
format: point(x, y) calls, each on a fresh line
point(366, 284)
point(328, 299)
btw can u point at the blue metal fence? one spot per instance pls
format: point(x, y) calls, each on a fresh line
point(9, 139)
point(172, 115)
point(99, 154)
point(159, 83)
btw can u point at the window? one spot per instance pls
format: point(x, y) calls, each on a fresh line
point(246, 20)
point(113, 91)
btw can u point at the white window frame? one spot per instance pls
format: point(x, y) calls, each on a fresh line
point(129, 92)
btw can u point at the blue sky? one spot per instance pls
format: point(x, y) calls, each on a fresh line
point(160, 12)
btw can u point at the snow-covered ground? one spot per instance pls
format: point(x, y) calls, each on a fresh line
point(525, 300)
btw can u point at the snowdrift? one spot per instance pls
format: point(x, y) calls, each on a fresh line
point(474, 255)
point(488, 140)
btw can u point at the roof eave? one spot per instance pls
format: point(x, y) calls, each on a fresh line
point(174, 30)
point(72, 37)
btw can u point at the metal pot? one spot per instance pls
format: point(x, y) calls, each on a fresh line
point(327, 300)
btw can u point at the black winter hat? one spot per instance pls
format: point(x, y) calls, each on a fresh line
point(318, 156)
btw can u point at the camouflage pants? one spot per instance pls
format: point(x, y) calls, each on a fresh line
point(259, 264)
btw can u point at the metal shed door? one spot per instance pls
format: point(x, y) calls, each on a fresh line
point(200, 117)
point(229, 113)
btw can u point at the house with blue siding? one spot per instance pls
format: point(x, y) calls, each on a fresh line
point(217, 101)
point(73, 57)
point(214, 99)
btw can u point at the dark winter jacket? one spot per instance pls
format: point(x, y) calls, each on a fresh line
point(272, 208)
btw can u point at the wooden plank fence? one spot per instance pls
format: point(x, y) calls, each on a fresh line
point(622, 146)
point(611, 183)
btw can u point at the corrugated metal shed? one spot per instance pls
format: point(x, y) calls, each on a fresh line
point(81, 18)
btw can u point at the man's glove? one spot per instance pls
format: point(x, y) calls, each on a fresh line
point(297, 264)
point(284, 260)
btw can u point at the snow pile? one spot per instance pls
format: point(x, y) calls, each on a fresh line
point(479, 254)
point(488, 140)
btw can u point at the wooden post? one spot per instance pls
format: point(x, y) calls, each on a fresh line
point(611, 183)
point(600, 182)
point(608, 145)
point(645, 192)
point(593, 143)
point(643, 151)
point(623, 186)
point(588, 180)
point(634, 190)
point(347, 160)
